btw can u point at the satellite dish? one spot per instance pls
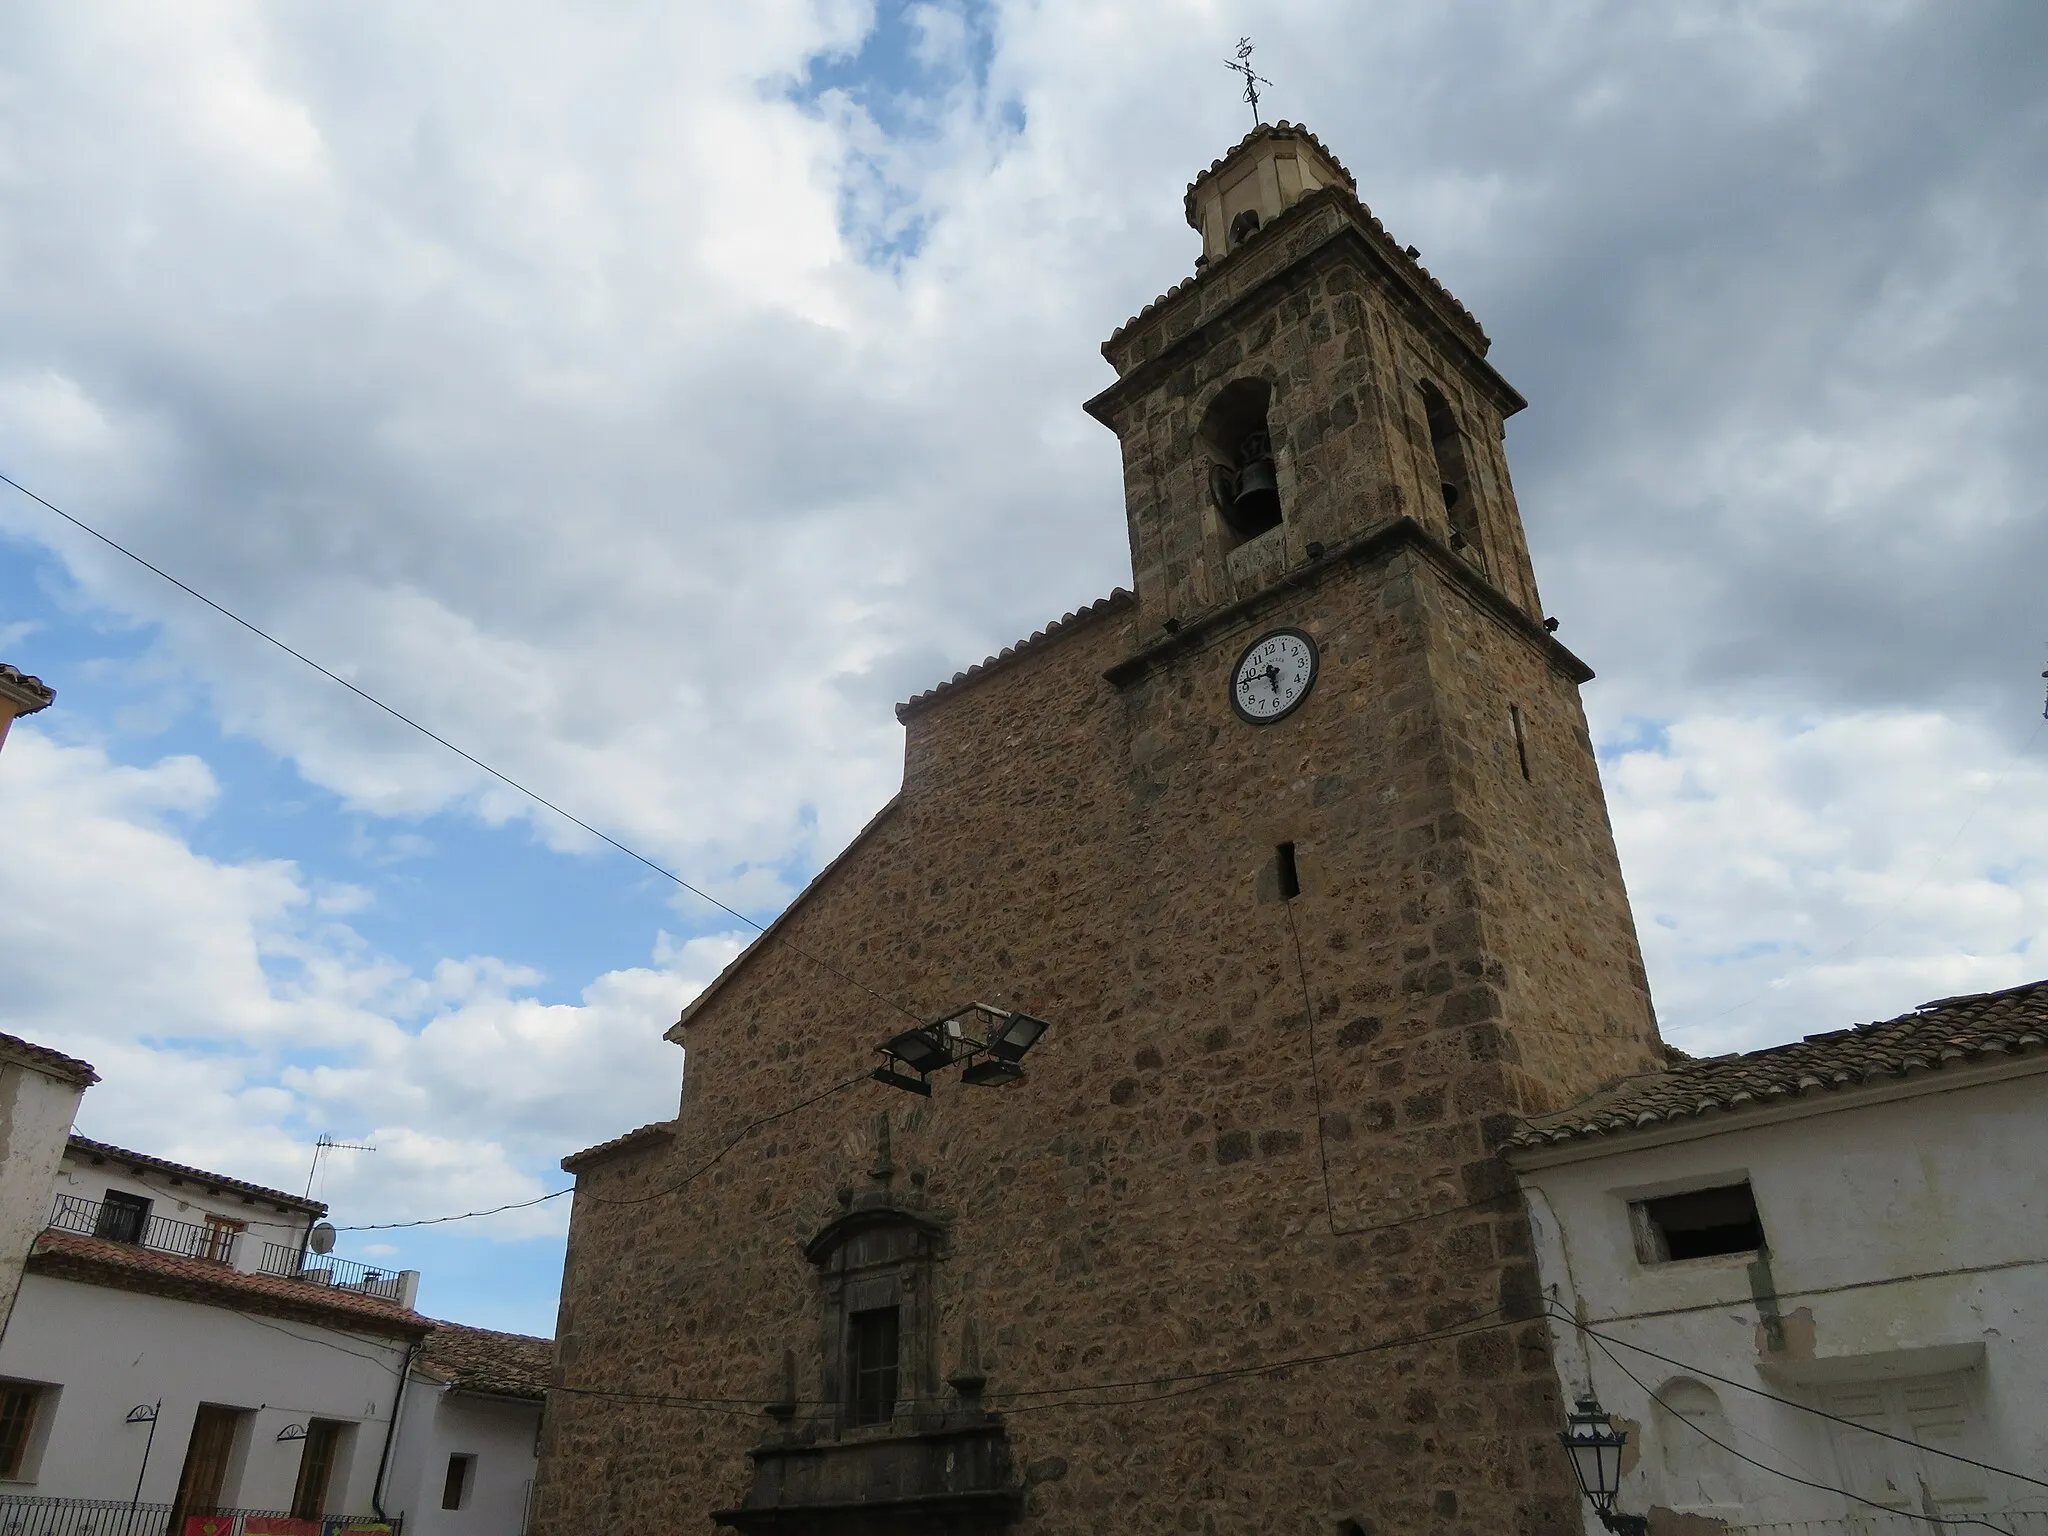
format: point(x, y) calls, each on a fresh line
point(321, 1238)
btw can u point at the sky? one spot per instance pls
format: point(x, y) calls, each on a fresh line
point(646, 397)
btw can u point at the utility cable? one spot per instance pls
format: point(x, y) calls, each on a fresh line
point(1315, 1078)
point(1558, 1312)
point(689, 1178)
point(1804, 1482)
point(504, 778)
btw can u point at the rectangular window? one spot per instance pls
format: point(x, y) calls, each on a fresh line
point(221, 1232)
point(123, 1217)
point(1521, 738)
point(1288, 871)
point(316, 1468)
point(871, 1362)
point(1698, 1224)
point(455, 1487)
point(17, 1422)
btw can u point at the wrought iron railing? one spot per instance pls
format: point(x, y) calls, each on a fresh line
point(339, 1274)
point(21, 1515)
point(131, 1224)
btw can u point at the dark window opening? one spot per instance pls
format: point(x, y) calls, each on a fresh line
point(1698, 1224)
point(17, 1422)
point(1243, 227)
point(1521, 737)
point(1454, 478)
point(1242, 474)
point(455, 1487)
point(123, 1217)
point(1288, 871)
point(316, 1469)
point(871, 1365)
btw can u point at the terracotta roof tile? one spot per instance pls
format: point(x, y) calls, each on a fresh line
point(41, 1058)
point(39, 694)
point(1950, 1032)
point(1280, 130)
point(646, 1135)
point(124, 1266)
point(1115, 602)
point(90, 1148)
point(482, 1360)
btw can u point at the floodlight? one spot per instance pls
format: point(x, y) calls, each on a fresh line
point(1014, 1036)
point(922, 1050)
point(992, 1073)
point(916, 1085)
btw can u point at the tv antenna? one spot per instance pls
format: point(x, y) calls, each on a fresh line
point(1252, 79)
point(323, 1145)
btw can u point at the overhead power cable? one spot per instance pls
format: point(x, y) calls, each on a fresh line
point(468, 757)
point(1604, 1339)
point(1804, 1482)
point(681, 1184)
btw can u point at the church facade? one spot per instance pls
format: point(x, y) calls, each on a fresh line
point(1299, 851)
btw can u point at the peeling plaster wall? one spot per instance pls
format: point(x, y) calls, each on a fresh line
point(35, 1119)
point(1904, 1238)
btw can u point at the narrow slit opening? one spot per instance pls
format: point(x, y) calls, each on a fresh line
point(1521, 738)
point(1290, 876)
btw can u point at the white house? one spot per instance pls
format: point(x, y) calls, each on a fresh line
point(39, 1093)
point(176, 1345)
point(1810, 1282)
point(467, 1433)
point(181, 1360)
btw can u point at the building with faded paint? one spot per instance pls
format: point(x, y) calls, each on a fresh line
point(39, 1094)
point(1300, 850)
point(1824, 1257)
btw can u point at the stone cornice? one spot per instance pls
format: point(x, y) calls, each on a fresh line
point(1398, 533)
point(22, 693)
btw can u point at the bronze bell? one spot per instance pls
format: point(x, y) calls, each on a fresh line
point(1258, 495)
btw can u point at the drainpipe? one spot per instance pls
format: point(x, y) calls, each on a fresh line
point(391, 1429)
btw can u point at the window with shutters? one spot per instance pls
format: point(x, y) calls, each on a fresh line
point(1933, 1411)
point(316, 1467)
point(22, 1405)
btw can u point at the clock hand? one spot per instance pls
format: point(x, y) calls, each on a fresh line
point(1273, 678)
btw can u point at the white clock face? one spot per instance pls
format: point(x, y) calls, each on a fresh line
point(1273, 676)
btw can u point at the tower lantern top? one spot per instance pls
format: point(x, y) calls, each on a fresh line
point(1267, 172)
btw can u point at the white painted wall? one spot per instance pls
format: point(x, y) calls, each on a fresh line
point(1905, 1225)
point(438, 1423)
point(35, 1120)
point(182, 1199)
point(107, 1350)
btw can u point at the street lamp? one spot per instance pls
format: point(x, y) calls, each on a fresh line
point(1595, 1446)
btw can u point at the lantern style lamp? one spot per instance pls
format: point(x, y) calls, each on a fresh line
point(1594, 1445)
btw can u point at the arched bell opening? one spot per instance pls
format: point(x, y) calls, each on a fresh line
point(1243, 479)
point(1454, 477)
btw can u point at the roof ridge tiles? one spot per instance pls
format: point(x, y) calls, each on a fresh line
point(1118, 598)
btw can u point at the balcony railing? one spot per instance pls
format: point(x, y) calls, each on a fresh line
point(24, 1516)
point(129, 1224)
point(337, 1274)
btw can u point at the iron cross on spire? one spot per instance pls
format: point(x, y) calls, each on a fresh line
point(1252, 80)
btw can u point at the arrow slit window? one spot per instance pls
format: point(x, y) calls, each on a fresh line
point(1454, 476)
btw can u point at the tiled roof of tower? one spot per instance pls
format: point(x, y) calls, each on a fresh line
point(1948, 1033)
point(41, 1058)
point(485, 1361)
point(1280, 130)
point(200, 1176)
point(127, 1266)
point(1310, 200)
point(39, 693)
point(1117, 600)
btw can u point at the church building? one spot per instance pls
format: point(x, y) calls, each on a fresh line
point(1221, 935)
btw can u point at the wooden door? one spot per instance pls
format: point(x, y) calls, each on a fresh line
point(206, 1462)
point(316, 1469)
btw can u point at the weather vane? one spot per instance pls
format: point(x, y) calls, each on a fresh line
point(1252, 80)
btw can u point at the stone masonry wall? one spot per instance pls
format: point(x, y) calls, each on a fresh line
point(1150, 1201)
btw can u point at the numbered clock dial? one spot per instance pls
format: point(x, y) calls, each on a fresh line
point(1273, 676)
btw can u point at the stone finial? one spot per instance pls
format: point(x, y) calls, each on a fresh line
point(783, 1409)
point(885, 1168)
point(968, 1379)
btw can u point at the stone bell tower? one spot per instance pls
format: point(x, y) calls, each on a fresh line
point(1359, 392)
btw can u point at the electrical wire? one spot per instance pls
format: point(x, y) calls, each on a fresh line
point(1562, 1316)
point(1804, 1482)
point(681, 1184)
point(1315, 1078)
point(504, 778)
